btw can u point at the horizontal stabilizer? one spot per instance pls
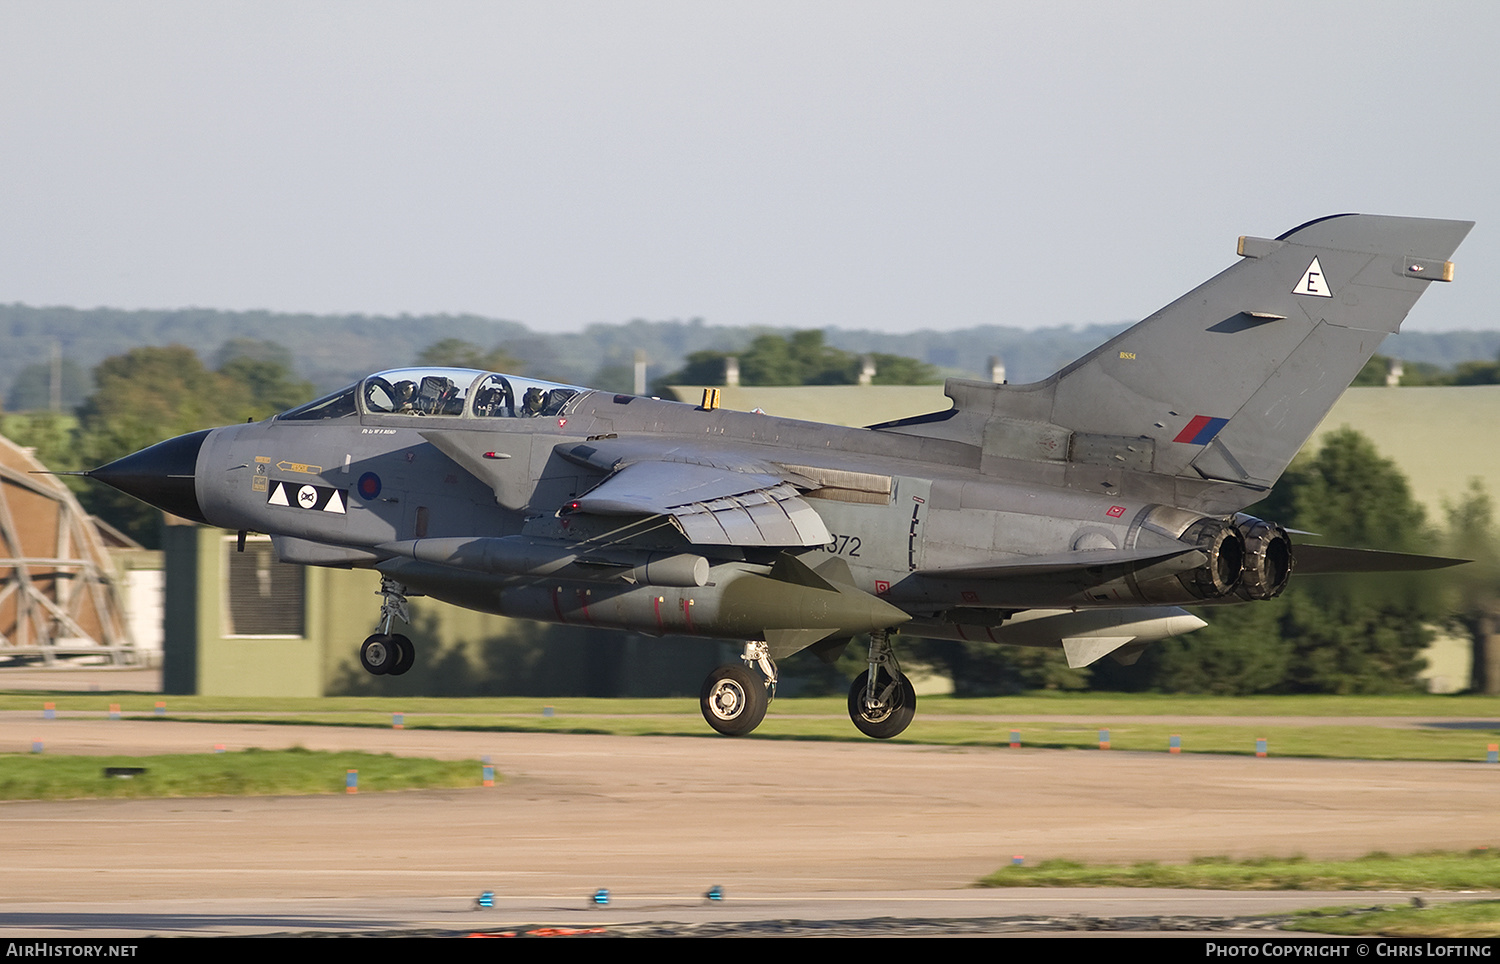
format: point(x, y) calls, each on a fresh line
point(1329, 559)
point(1085, 635)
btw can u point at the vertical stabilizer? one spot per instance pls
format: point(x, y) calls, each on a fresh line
point(1230, 379)
point(1226, 383)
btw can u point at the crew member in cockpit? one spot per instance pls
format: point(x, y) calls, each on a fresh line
point(493, 401)
point(406, 393)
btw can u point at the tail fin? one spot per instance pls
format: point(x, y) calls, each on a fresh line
point(1226, 383)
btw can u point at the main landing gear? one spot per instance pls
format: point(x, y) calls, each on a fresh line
point(882, 701)
point(384, 654)
point(733, 698)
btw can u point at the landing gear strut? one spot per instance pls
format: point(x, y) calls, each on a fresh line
point(733, 698)
point(882, 701)
point(384, 654)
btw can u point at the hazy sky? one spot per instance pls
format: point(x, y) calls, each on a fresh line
point(862, 164)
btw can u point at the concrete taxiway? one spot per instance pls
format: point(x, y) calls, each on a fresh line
point(788, 829)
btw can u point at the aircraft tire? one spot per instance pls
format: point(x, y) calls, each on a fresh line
point(884, 722)
point(378, 654)
point(733, 700)
point(406, 656)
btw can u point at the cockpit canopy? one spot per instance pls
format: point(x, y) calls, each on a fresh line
point(441, 392)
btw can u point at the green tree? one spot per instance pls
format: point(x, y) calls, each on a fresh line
point(1344, 643)
point(1242, 650)
point(53, 436)
point(1355, 634)
point(1413, 373)
point(1349, 494)
point(1374, 372)
point(700, 368)
point(900, 370)
point(1476, 586)
point(1477, 373)
point(256, 349)
point(262, 371)
point(982, 669)
point(800, 358)
point(149, 395)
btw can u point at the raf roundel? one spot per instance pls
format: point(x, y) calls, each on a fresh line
point(368, 486)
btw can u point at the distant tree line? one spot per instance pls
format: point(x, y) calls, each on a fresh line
point(333, 350)
point(1382, 369)
point(801, 358)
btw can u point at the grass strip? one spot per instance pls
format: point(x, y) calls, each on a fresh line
point(1445, 729)
point(252, 772)
point(1318, 742)
point(1461, 919)
point(1477, 869)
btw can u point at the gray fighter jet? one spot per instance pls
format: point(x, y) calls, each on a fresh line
point(1077, 512)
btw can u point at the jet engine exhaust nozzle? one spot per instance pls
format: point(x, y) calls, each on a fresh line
point(1268, 559)
point(1225, 548)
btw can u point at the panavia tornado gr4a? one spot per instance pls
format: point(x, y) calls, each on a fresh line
point(1078, 512)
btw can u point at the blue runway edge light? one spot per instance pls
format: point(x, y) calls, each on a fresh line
point(601, 896)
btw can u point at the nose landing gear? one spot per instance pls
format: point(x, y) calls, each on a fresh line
point(384, 654)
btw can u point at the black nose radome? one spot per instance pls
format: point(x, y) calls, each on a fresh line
point(162, 475)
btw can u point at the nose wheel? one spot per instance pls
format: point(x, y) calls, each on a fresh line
point(385, 655)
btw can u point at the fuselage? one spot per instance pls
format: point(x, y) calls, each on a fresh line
point(341, 483)
point(1077, 511)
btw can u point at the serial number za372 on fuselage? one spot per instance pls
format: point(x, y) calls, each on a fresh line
point(1078, 512)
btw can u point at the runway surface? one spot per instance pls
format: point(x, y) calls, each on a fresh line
point(789, 830)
